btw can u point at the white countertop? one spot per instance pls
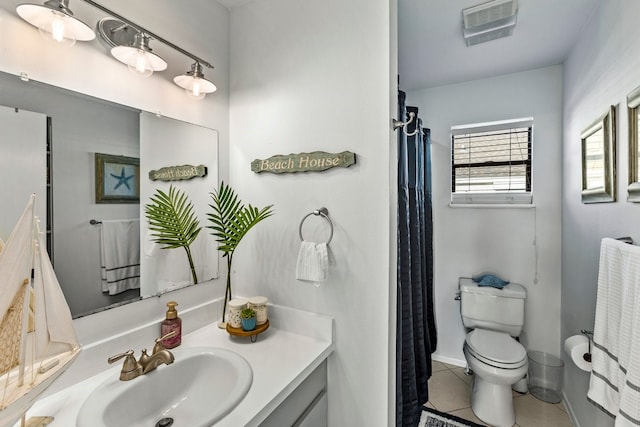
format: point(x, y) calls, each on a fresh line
point(281, 358)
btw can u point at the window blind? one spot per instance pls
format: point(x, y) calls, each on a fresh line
point(491, 162)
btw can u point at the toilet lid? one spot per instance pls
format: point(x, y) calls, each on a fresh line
point(495, 346)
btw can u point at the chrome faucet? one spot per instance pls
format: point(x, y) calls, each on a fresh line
point(132, 368)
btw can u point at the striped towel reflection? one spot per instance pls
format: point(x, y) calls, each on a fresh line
point(120, 255)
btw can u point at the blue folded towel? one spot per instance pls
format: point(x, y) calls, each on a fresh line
point(488, 279)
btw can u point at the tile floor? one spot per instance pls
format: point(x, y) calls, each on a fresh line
point(450, 391)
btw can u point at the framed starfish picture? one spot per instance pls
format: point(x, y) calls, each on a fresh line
point(117, 179)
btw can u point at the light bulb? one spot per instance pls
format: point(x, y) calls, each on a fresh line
point(141, 66)
point(57, 30)
point(195, 92)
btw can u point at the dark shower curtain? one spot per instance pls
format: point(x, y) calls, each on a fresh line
point(416, 332)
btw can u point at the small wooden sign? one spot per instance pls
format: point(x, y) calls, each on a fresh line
point(304, 162)
point(177, 173)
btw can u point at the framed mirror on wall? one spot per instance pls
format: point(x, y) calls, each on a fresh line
point(633, 190)
point(599, 159)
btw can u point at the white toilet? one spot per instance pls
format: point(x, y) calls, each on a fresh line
point(494, 317)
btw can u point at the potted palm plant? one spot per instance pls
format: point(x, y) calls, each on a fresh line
point(173, 223)
point(230, 221)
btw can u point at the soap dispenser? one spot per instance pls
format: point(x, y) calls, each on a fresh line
point(171, 323)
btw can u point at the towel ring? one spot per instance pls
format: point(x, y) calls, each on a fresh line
point(323, 212)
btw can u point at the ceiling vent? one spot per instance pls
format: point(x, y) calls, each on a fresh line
point(489, 21)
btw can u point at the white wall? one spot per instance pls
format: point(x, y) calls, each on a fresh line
point(521, 245)
point(309, 76)
point(601, 70)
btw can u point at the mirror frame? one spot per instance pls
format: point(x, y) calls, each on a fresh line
point(633, 189)
point(606, 193)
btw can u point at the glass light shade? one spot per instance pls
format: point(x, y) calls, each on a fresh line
point(195, 87)
point(55, 23)
point(141, 62)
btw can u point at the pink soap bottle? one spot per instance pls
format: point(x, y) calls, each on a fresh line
point(171, 323)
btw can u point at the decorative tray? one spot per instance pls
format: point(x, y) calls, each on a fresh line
point(239, 332)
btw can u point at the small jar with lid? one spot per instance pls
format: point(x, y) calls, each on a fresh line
point(235, 306)
point(259, 305)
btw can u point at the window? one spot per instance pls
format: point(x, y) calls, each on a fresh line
point(491, 162)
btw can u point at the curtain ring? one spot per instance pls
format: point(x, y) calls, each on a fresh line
point(323, 212)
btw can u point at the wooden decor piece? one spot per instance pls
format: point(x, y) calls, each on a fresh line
point(316, 161)
point(253, 335)
point(178, 173)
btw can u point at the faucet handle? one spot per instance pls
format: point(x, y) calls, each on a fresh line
point(159, 346)
point(128, 355)
point(130, 367)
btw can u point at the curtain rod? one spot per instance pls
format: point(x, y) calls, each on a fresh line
point(147, 32)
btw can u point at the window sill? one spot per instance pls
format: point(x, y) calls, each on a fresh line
point(491, 206)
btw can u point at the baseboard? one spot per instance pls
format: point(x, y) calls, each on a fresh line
point(449, 360)
point(572, 415)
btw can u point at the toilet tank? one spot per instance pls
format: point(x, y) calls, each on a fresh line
point(485, 307)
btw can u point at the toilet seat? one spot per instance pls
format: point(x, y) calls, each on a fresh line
point(496, 349)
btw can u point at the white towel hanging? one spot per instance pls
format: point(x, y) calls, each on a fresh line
point(615, 378)
point(313, 262)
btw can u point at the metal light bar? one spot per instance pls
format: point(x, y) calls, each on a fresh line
point(147, 32)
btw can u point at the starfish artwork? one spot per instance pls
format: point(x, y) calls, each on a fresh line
point(123, 179)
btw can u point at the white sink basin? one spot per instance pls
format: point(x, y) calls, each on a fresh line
point(198, 389)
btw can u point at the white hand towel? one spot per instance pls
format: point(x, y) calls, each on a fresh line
point(313, 262)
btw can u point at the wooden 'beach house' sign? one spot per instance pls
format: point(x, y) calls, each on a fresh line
point(304, 162)
point(177, 173)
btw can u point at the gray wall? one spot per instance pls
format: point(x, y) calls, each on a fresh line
point(81, 127)
point(601, 70)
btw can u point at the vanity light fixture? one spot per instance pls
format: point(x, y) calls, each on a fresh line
point(194, 83)
point(55, 21)
point(139, 57)
point(128, 42)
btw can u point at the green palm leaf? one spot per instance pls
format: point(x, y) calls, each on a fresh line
point(231, 220)
point(172, 222)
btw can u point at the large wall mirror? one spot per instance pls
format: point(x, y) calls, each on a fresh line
point(43, 125)
point(633, 102)
point(599, 159)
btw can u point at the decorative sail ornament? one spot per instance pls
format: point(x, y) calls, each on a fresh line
point(36, 323)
